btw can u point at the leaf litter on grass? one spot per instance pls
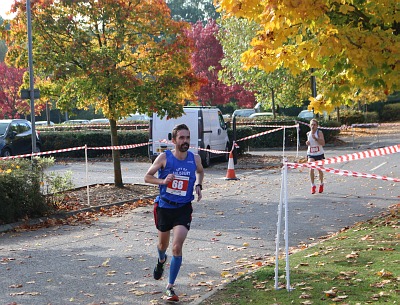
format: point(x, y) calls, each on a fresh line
point(359, 265)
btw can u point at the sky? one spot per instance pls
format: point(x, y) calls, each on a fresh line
point(5, 6)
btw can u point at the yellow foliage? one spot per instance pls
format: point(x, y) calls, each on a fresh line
point(327, 35)
point(319, 105)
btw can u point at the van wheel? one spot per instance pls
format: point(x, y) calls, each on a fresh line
point(226, 156)
point(207, 159)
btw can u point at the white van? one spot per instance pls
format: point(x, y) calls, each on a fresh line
point(207, 130)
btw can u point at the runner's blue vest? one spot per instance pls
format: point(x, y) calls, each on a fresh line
point(181, 189)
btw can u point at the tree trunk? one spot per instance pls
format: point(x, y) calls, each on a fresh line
point(116, 155)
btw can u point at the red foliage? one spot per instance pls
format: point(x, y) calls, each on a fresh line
point(206, 63)
point(11, 105)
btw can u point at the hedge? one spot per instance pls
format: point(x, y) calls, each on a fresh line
point(68, 139)
point(391, 112)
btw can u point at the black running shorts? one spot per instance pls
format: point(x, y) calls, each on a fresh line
point(165, 219)
point(317, 158)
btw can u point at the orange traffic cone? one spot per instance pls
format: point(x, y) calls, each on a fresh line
point(230, 173)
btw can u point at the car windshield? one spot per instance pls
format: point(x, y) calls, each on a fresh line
point(243, 112)
point(306, 114)
point(137, 117)
point(3, 128)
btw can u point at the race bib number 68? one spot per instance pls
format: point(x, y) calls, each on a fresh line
point(178, 186)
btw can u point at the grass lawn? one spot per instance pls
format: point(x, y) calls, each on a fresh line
point(360, 265)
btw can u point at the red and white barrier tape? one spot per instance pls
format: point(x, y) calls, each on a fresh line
point(342, 172)
point(242, 139)
point(343, 127)
point(260, 134)
point(106, 125)
point(120, 147)
point(198, 148)
point(91, 129)
point(361, 155)
point(356, 156)
point(364, 125)
point(283, 126)
point(43, 153)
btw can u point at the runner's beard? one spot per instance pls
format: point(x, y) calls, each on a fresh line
point(184, 147)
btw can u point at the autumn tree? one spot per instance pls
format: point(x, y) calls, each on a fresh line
point(206, 63)
point(119, 56)
point(11, 104)
point(352, 45)
point(277, 88)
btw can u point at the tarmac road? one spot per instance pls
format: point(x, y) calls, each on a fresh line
point(110, 261)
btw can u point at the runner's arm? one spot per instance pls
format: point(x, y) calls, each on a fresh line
point(158, 163)
point(320, 139)
point(199, 177)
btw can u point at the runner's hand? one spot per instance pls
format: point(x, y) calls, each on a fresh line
point(199, 194)
point(169, 178)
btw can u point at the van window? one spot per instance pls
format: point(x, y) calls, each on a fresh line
point(221, 120)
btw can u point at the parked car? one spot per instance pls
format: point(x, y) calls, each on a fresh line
point(306, 114)
point(245, 112)
point(43, 123)
point(135, 117)
point(261, 115)
point(75, 122)
point(100, 121)
point(16, 137)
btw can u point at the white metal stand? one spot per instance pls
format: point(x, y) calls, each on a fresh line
point(283, 203)
point(87, 175)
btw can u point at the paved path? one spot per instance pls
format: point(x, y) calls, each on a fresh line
point(110, 261)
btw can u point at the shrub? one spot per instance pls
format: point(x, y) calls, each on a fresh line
point(391, 112)
point(20, 183)
point(25, 188)
point(358, 117)
point(54, 186)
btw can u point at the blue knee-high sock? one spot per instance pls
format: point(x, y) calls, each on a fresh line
point(176, 263)
point(161, 254)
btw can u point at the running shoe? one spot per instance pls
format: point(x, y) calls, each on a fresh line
point(321, 188)
point(159, 269)
point(171, 296)
point(313, 189)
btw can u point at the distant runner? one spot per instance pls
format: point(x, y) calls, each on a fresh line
point(315, 151)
